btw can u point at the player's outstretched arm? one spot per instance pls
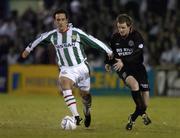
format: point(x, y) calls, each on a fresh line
point(25, 54)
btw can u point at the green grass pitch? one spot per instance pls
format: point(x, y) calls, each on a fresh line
point(39, 116)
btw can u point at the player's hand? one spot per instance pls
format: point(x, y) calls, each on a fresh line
point(110, 56)
point(25, 54)
point(118, 65)
point(108, 68)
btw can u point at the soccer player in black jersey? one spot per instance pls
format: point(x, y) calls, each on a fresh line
point(127, 45)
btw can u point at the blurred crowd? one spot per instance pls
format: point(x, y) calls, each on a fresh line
point(157, 20)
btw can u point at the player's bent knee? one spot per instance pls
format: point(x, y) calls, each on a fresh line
point(132, 83)
point(135, 87)
point(65, 83)
point(85, 93)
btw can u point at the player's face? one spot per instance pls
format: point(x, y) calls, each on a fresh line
point(61, 21)
point(123, 29)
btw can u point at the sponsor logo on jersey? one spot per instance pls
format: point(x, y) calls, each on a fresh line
point(124, 51)
point(64, 45)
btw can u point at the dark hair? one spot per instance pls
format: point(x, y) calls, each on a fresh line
point(59, 12)
point(124, 18)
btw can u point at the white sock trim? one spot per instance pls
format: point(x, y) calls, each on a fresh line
point(70, 102)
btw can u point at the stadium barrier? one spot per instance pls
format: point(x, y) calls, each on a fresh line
point(167, 81)
point(43, 79)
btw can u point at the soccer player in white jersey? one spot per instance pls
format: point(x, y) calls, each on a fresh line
point(69, 43)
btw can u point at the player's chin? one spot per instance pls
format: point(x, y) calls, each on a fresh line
point(123, 34)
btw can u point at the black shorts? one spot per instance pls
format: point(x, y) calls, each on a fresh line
point(139, 73)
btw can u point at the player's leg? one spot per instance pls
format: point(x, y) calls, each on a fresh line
point(66, 86)
point(144, 88)
point(145, 117)
point(136, 95)
point(86, 100)
point(84, 86)
point(145, 95)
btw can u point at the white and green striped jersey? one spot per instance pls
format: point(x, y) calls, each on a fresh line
point(69, 45)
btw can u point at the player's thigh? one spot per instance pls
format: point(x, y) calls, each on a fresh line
point(65, 83)
point(129, 79)
point(67, 78)
point(132, 83)
point(143, 80)
point(84, 85)
point(83, 81)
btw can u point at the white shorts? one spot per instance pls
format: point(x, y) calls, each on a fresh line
point(79, 74)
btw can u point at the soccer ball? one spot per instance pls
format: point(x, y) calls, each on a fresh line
point(68, 123)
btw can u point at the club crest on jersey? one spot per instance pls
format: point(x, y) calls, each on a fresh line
point(74, 37)
point(131, 43)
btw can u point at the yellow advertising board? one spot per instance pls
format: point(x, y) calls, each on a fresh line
point(43, 79)
point(33, 79)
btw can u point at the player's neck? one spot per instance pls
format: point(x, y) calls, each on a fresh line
point(125, 36)
point(63, 30)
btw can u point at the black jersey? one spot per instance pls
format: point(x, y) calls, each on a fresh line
point(129, 49)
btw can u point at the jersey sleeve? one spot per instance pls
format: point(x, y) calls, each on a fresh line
point(107, 60)
point(43, 40)
point(93, 42)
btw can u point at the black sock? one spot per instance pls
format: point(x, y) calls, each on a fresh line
point(136, 95)
point(87, 100)
point(143, 110)
point(135, 114)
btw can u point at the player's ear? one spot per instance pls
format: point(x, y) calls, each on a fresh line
point(67, 21)
point(115, 28)
point(131, 29)
point(54, 20)
point(130, 23)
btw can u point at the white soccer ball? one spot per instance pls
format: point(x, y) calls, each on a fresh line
point(68, 123)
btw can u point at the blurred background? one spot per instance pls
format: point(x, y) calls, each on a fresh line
point(21, 21)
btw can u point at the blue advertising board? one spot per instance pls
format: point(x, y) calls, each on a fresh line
point(104, 83)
